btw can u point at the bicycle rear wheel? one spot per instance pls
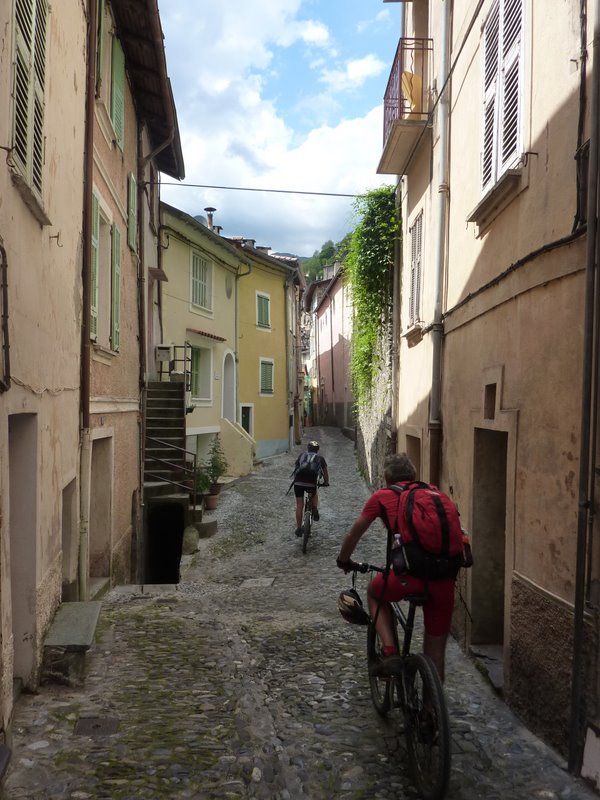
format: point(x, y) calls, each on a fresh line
point(306, 522)
point(427, 727)
point(381, 688)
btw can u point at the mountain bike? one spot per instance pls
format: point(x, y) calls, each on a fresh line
point(415, 694)
point(307, 514)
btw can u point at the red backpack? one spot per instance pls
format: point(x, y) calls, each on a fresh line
point(429, 526)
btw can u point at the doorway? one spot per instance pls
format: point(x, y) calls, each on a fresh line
point(229, 388)
point(489, 538)
point(22, 455)
point(101, 508)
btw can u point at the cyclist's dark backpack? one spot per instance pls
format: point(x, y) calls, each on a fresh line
point(309, 468)
point(433, 541)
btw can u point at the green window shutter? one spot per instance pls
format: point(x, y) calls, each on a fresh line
point(117, 102)
point(262, 311)
point(94, 269)
point(195, 388)
point(266, 377)
point(132, 211)
point(115, 315)
point(100, 54)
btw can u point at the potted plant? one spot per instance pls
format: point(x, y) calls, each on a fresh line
point(202, 480)
point(216, 464)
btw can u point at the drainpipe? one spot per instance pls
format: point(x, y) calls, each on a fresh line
point(5, 381)
point(86, 271)
point(143, 345)
point(435, 422)
point(237, 344)
point(587, 456)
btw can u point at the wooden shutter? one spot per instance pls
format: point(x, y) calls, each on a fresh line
point(115, 311)
point(195, 387)
point(117, 102)
point(262, 311)
point(414, 301)
point(491, 69)
point(512, 23)
point(31, 20)
point(200, 281)
point(266, 377)
point(131, 211)
point(94, 268)
point(100, 54)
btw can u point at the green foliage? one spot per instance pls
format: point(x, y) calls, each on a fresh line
point(216, 464)
point(203, 480)
point(369, 267)
point(328, 254)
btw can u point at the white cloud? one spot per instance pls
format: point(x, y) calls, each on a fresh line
point(233, 136)
point(355, 73)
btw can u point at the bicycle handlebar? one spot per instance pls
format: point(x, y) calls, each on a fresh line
point(358, 566)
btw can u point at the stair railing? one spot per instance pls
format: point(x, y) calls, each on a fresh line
point(184, 469)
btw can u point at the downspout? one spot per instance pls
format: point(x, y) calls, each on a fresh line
point(143, 343)
point(586, 456)
point(5, 381)
point(237, 344)
point(437, 328)
point(85, 466)
point(396, 299)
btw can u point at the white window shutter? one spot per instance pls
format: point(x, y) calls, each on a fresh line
point(491, 60)
point(512, 24)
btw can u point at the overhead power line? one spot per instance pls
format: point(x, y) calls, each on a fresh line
point(249, 189)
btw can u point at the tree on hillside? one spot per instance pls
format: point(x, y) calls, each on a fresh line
point(328, 254)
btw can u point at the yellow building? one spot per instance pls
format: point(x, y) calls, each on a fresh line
point(269, 356)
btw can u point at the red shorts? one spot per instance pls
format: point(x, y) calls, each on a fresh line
point(437, 611)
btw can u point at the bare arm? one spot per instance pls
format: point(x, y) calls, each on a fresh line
point(353, 537)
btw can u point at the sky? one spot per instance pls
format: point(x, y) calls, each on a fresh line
point(279, 94)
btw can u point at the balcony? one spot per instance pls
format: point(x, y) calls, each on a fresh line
point(406, 105)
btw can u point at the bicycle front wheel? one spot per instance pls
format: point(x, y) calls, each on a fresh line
point(306, 530)
point(427, 727)
point(381, 688)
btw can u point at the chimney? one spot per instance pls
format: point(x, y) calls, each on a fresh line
point(209, 213)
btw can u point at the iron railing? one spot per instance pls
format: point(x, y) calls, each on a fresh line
point(407, 93)
point(186, 471)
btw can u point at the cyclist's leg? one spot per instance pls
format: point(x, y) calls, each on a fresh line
point(437, 618)
point(299, 493)
point(315, 498)
point(384, 621)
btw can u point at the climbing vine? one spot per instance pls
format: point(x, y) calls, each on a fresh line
point(369, 267)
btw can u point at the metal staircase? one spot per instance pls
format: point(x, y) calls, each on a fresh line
point(169, 469)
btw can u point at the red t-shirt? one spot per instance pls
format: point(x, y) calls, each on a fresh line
point(386, 498)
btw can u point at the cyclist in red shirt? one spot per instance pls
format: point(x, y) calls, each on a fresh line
point(437, 611)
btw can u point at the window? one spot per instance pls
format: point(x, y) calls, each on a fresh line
point(416, 256)
point(263, 310)
point(266, 376)
point(110, 74)
point(105, 291)
point(131, 211)
point(502, 55)
point(201, 372)
point(31, 17)
point(246, 418)
point(201, 282)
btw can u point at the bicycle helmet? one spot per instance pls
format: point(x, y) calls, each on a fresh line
point(313, 447)
point(351, 608)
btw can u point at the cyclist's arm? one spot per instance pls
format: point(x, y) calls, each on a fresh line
point(325, 474)
point(353, 537)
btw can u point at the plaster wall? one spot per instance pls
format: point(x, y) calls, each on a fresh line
point(271, 411)
point(44, 315)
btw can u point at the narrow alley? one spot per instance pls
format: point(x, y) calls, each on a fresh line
point(243, 680)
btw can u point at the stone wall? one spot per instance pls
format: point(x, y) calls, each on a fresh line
point(374, 438)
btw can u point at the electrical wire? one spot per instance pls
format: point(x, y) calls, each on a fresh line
point(251, 189)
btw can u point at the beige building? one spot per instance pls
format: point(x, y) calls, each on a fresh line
point(489, 116)
point(79, 278)
point(41, 179)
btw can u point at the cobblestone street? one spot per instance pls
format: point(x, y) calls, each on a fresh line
point(243, 681)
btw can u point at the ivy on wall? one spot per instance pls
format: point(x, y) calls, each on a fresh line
point(370, 268)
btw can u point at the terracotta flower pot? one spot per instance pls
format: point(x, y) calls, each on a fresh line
point(211, 501)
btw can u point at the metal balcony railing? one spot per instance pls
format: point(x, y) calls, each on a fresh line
point(407, 93)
